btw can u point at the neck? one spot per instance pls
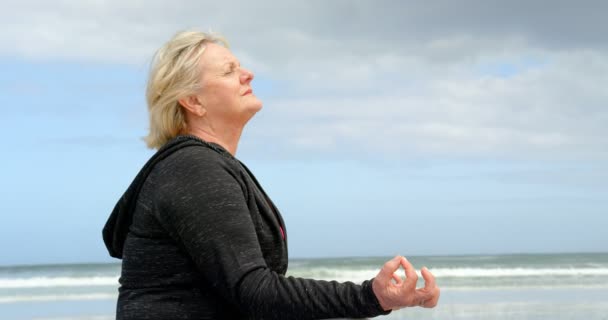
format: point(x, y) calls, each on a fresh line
point(227, 138)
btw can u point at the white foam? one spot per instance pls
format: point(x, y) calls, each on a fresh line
point(516, 272)
point(526, 287)
point(62, 297)
point(361, 275)
point(329, 274)
point(44, 282)
point(337, 274)
point(108, 296)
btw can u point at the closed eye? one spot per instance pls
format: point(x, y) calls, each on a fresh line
point(233, 67)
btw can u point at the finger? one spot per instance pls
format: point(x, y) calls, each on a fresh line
point(397, 278)
point(429, 279)
point(410, 272)
point(426, 298)
point(422, 294)
point(431, 303)
point(389, 269)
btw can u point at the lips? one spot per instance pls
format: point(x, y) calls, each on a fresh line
point(248, 92)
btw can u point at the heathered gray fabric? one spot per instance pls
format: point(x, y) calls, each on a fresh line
point(205, 243)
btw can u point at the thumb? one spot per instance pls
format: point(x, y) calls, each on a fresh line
point(386, 273)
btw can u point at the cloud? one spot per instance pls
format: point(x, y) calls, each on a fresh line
point(286, 30)
point(450, 78)
point(556, 109)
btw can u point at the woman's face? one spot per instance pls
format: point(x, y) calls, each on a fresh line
point(226, 87)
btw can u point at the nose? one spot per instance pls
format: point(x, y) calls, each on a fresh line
point(246, 75)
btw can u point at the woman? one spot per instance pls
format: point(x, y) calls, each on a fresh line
point(198, 236)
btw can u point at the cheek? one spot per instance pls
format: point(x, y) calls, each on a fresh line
point(224, 99)
point(226, 91)
point(222, 93)
point(217, 94)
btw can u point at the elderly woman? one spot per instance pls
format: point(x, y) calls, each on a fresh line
point(198, 236)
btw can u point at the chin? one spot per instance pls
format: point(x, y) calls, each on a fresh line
point(257, 106)
point(252, 110)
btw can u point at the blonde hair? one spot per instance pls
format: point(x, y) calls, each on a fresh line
point(174, 74)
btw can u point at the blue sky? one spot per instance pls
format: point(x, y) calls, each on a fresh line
point(451, 138)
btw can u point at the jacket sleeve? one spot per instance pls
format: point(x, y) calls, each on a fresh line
point(203, 207)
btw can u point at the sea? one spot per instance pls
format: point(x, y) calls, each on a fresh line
point(517, 286)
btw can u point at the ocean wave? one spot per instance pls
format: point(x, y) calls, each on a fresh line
point(585, 287)
point(516, 272)
point(361, 275)
point(338, 274)
point(58, 297)
point(44, 282)
point(448, 288)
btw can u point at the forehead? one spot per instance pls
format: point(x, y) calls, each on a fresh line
point(216, 56)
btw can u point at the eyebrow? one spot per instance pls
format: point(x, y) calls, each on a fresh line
point(232, 64)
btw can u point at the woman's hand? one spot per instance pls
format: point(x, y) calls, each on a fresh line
point(403, 293)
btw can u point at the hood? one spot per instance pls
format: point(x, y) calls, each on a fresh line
point(117, 227)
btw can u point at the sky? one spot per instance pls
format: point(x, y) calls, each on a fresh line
point(388, 127)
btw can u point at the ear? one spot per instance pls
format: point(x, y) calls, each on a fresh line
point(193, 105)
